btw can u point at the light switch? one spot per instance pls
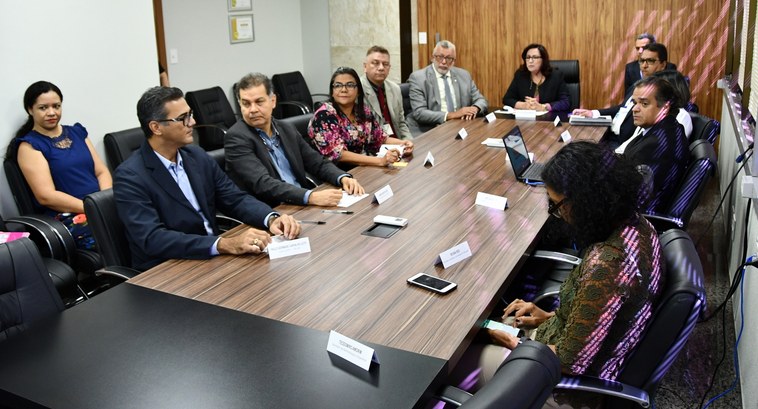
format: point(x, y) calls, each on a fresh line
point(173, 56)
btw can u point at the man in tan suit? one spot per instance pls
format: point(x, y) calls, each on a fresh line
point(384, 96)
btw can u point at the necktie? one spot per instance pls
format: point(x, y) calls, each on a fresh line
point(448, 95)
point(385, 109)
point(621, 149)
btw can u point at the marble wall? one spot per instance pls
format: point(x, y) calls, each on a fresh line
point(357, 25)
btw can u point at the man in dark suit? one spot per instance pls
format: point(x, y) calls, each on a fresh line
point(633, 71)
point(167, 193)
point(660, 141)
point(441, 92)
point(269, 158)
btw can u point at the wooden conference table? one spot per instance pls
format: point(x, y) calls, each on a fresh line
point(356, 285)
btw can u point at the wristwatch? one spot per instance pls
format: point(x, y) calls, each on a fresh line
point(271, 219)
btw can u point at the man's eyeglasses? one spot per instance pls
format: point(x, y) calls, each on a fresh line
point(349, 85)
point(648, 61)
point(440, 58)
point(554, 209)
point(532, 57)
point(379, 63)
point(185, 118)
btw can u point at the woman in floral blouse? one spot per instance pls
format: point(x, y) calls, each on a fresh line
point(344, 129)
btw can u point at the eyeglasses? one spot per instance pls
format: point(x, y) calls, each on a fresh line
point(532, 57)
point(648, 61)
point(349, 85)
point(440, 58)
point(379, 63)
point(554, 209)
point(185, 119)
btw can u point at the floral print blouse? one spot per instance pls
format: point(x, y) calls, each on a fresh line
point(332, 132)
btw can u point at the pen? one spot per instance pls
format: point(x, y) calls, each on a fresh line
point(337, 211)
point(312, 221)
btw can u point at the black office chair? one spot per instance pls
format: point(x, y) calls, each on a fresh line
point(702, 166)
point(682, 302)
point(300, 122)
point(110, 234)
point(570, 70)
point(704, 128)
point(120, 145)
point(213, 115)
point(405, 91)
point(523, 381)
point(27, 294)
point(291, 86)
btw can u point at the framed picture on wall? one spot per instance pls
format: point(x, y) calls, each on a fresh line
point(240, 5)
point(241, 28)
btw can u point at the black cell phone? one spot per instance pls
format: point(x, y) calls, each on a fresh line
point(432, 283)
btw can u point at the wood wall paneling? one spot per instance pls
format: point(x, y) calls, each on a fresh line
point(490, 35)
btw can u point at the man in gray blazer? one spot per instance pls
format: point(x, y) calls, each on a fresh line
point(269, 158)
point(441, 92)
point(382, 95)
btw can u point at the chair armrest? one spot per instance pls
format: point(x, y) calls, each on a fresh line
point(50, 242)
point(304, 109)
point(663, 223)
point(121, 272)
point(454, 396)
point(554, 255)
point(226, 223)
point(605, 387)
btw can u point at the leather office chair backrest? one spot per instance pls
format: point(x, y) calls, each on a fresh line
point(704, 128)
point(22, 193)
point(405, 90)
point(291, 86)
point(120, 145)
point(300, 122)
point(218, 156)
point(702, 166)
point(570, 70)
point(27, 293)
point(107, 228)
point(212, 109)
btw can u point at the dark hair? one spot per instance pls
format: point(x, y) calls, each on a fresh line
point(602, 188)
point(358, 110)
point(30, 97)
point(646, 36)
point(545, 68)
point(377, 49)
point(152, 106)
point(664, 92)
point(254, 79)
point(659, 49)
point(680, 84)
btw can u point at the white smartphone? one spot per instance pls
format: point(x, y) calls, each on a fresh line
point(432, 283)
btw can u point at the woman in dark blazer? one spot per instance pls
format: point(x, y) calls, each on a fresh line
point(536, 85)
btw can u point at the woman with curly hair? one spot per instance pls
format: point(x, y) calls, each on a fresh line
point(345, 131)
point(608, 299)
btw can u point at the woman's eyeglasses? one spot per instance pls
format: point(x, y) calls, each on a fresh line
point(349, 85)
point(554, 209)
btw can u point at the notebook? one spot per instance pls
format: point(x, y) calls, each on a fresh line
point(525, 170)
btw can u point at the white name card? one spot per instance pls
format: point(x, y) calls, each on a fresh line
point(462, 134)
point(429, 159)
point(493, 201)
point(351, 350)
point(490, 117)
point(557, 121)
point(454, 255)
point(565, 136)
point(387, 147)
point(528, 114)
point(382, 194)
point(285, 248)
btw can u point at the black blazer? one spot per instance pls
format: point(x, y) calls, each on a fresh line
point(553, 90)
point(664, 149)
point(160, 222)
point(250, 166)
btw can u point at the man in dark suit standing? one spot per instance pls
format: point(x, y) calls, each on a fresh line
point(269, 158)
point(441, 92)
point(633, 71)
point(167, 193)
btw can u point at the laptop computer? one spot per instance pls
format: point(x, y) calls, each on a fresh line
point(525, 170)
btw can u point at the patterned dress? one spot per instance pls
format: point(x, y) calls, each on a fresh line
point(332, 132)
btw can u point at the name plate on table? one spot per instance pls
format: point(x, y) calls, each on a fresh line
point(284, 248)
point(557, 121)
point(493, 201)
point(351, 350)
point(489, 118)
point(565, 136)
point(462, 134)
point(454, 255)
point(382, 194)
point(429, 161)
point(528, 114)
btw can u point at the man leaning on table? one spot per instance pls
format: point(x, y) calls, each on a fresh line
point(269, 158)
point(168, 192)
point(382, 95)
point(441, 92)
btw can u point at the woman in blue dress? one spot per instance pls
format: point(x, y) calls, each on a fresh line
point(59, 162)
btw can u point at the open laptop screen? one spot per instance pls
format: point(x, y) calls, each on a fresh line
point(519, 156)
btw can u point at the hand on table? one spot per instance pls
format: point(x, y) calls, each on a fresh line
point(249, 240)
